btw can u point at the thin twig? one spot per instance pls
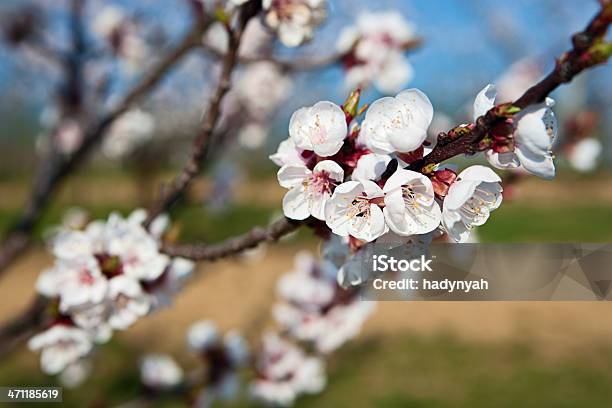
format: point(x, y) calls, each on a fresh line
point(202, 142)
point(567, 67)
point(57, 167)
point(235, 245)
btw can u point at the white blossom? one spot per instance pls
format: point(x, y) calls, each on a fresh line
point(370, 166)
point(535, 129)
point(60, 346)
point(68, 136)
point(470, 200)
point(374, 51)
point(288, 153)
point(321, 128)
point(294, 20)
point(160, 371)
point(261, 87)
point(353, 210)
point(584, 154)
point(131, 130)
point(285, 372)
point(253, 135)
point(309, 190)
point(129, 302)
point(202, 335)
point(310, 284)
point(410, 206)
point(75, 374)
point(397, 124)
point(113, 26)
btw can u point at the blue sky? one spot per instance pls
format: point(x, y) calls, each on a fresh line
point(468, 43)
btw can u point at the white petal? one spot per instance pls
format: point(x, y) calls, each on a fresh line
point(479, 173)
point(502, 160)
point(484, 101)
point(458, 193)
point(295, 204)
point(370, 166)
point(330, 167)
point(395, 74)
point(416, 99)
point(291, 175)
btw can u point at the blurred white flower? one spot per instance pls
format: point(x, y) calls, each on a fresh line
point(256, 39)
point(373, 51)
point(114, 27)
point(60, 346)
point(129, 302)
point(310, 284)
point(261, 87)
point(470, 200)
point(252, 136)
point(517, 79)
point(108, 275)
point(160, 371)
point(285, 372)
point(130, 131)
point(584, 154)
point(202, 335)
point(68, 136)
point(75, 374)
point(309, 190)
point(321, 128)
point(397, 124)
point(294, 20)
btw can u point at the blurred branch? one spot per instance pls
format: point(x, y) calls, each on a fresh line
point(201, 145)
point(56, 167)
point(585, 53)
point(235, 245)
point(23, 326)
point(303, 63)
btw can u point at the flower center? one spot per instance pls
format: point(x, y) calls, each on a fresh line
point(320, 183)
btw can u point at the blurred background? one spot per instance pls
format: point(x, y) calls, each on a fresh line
point(423, 354)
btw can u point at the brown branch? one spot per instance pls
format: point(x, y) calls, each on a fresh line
point(235, 245)
point(202, 142)
point(56, 167)
point(573, 62)
point(23, 326)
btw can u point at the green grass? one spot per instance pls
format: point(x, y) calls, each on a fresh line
point(510, 223)
point(401, 371)
point(520, 223)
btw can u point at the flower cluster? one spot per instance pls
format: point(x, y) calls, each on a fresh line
point(373, 51)
point(121, 35)
point(315, 308)
point(294, 20)
point(260, 89)
point(60, 131)
point(352, 175)
point(285, 372)
point(223, 356)
point(105, 278)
